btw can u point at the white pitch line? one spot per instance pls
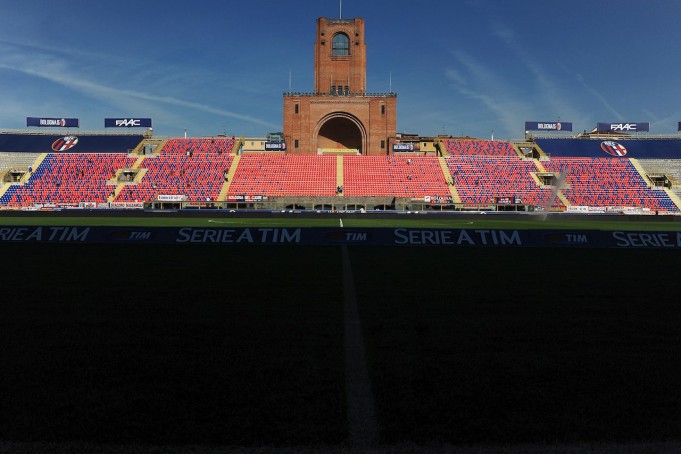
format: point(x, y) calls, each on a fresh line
point(362, 423)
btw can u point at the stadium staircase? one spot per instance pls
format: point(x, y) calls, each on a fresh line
point(116, 180)
point(448, 177)
point(518, 145)
point(644, 175)
point(443, 147)
point(230, 177)
point(640, 170)
point(339, 174)
point(156, 145)
point(672, 195)
point(26, 178)
point(670, 168)
point(559, 192)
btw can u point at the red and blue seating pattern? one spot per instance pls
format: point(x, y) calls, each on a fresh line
point(604, 182)
point(193, 168)
point(477, 147)
point(69, 178)
point(481, 171)
point(479, 179)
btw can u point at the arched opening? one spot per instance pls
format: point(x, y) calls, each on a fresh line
point(340, 132)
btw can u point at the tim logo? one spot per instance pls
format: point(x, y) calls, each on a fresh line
point(567, 239)
point(130, 235)
point(65, 143)
point(346, 236)
point(613, 148)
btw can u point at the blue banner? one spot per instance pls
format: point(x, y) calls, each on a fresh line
point(405, 147)
point(337, 236)
point(275, 146)
point(52, 122)
point(127, 122)
point(548, 126)
point(612, 148)
point(71, 142)
point(623, 127)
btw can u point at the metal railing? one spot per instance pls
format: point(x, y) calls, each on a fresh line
point(348, 95)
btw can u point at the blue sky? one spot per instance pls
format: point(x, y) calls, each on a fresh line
point(458, 66)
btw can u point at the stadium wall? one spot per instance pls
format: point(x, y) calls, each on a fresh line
point(608, 148)
point(340, 236)
point(73, 143)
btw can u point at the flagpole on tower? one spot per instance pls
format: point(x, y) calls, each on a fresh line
point(340, 9)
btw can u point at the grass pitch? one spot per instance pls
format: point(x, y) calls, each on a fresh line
point(350, 220)
point(243, 345)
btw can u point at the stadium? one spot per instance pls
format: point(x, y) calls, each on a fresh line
point(339, 286)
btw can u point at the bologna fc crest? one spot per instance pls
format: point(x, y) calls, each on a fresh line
point(613, 148)
point(64, 143)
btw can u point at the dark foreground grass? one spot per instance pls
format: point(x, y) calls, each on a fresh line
point(515, 346)
point(243, 346)
point(170, 346)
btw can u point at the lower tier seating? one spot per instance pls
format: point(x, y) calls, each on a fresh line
point(394, 176)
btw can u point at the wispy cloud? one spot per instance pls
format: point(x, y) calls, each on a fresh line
point(49, 64)
point(549, 92)
point(474, 80)
point(600, 98)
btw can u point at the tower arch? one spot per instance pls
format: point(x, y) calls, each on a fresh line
point(340, 130)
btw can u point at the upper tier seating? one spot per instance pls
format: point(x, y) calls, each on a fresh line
point(478, 147)
point(273, 174)
point(602, 182)
point(394, 176)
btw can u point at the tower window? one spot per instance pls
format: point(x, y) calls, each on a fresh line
point(341, 45)
point(296, 108)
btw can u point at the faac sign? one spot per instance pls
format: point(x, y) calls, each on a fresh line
point(127, 122)
point(623, 127)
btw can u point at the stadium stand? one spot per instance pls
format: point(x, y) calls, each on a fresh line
point(395, 176)
point(479, 179)
point(68, 178)
point(275, 174)
point(478, 147)
point(193, 168)
point(475, 172)
point(607, 182)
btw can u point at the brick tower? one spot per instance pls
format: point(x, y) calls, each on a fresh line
point(339, 116)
